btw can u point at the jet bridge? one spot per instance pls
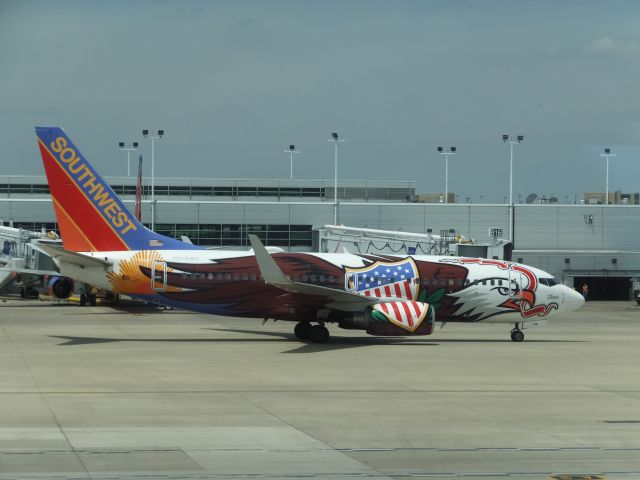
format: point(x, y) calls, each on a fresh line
point(336, 238)
point(18, 250)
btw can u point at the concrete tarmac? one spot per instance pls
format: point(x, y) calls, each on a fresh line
point(100, 392)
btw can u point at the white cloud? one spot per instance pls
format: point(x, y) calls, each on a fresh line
point(611, 45)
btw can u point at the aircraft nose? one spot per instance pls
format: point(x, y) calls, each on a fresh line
point(573, 300)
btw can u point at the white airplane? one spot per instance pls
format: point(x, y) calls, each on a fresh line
point(105, 246)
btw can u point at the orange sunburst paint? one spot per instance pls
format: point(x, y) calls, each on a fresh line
point(129, 277)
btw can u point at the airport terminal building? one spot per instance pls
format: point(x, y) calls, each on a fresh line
point(597, 244)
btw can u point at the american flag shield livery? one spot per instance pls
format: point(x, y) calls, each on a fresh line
point(384, 280)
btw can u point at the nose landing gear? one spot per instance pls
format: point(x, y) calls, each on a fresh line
point(517, 335)
point(315, 333)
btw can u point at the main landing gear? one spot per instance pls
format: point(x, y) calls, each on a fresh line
point(517, 335)
point(315, 333)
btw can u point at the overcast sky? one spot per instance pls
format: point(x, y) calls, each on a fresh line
point(233, 83)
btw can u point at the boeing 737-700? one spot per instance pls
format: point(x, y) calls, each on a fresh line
point(105, 246)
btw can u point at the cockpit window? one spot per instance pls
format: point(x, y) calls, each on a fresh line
point(550, 282)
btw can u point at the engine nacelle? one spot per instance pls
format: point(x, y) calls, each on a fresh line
point(60, 287)
point(390, 319)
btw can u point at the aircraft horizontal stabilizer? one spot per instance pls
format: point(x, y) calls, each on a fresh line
point(338, 299)
point(77, 259)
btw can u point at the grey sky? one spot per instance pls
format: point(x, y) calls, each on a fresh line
point(233, 83)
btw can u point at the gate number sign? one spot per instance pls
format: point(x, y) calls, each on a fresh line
point(495, 232)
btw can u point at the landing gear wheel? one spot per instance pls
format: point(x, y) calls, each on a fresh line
point(517, 335)
point(83, 299)
point(92, 299)
point(318, 334)
point(302, 330)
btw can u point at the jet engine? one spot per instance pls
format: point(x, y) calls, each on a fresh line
point(404, 317)
point(60, 287)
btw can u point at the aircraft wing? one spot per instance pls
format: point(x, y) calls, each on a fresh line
point(30, 271)
point(66, 256)
point(338, 299)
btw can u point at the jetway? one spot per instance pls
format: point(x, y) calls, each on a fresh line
point(19, 251)
point(337, 238)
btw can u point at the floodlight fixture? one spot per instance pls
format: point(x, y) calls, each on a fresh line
point(134, 146)
point(152, 137)
point(507, 139)
point(291, 151)
point(441, 151)
point(334, 139)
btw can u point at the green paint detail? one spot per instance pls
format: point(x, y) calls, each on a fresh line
point(436, 297)
point(378, 316)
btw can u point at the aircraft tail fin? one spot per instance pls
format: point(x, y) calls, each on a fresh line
point(90, 215)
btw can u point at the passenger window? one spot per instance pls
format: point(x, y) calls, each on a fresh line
point(245, 276)
point(218, 276)
point(493, 282)
point(210, 276)
point(253, 277)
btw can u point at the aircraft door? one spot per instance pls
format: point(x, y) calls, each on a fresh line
point(516, 282)
point(351, 282)
point(159, 276)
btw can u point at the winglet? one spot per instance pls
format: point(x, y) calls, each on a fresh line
point(268, 267)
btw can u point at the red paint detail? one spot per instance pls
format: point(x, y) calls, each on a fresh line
point(408, 290)
point(397, 289)
point(79, 210)
point(387, 290)
point(416, 307)
point(384, 308)
point(408, 313)
point(396, 310)
point(367, 293)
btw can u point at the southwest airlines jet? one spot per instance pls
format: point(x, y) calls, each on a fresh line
point(105, 246)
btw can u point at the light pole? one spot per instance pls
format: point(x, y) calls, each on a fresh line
point(334, 139)
point(291, 151)
point(607, 153)
point(133, 147)
point(152, 137)
point(446, 170)
point(519, 139)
